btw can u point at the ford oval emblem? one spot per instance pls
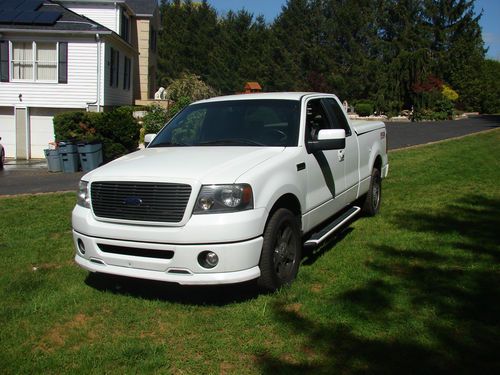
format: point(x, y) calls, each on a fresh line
point(132, 201)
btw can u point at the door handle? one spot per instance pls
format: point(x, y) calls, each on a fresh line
point(341, 155)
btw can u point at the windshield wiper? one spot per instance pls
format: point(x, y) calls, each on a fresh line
point(231, 142)
point(168, 144)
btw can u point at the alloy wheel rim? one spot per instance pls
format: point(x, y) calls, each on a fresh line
point(284, 252)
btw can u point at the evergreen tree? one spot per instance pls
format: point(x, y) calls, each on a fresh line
point(395, 53)
point(187, 36)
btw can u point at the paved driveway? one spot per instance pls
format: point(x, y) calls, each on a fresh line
point(34, 178)
point(400, 135)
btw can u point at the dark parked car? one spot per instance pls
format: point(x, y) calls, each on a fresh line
point(2, 155)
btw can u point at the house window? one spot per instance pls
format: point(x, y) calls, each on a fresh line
point(35, 61)
point(126, 73)
point(46, 61)
point(125, 27)
point(114, 67)
point(152, 39)
point(22, 61)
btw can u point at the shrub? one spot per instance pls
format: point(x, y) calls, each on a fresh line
point(449, 93)
point(154, 120)
point(364, 109)
point(157, 116)
point(117, 130)
point(72, 126)
point(189, 86)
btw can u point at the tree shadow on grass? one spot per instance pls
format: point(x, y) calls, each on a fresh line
point(310, 256)
point(429, 309)
point(216, 295)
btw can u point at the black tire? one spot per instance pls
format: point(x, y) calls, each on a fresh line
point(1, 159)
point(371, 204)
point(281, 251)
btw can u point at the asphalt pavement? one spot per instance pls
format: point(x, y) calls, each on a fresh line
point(21, 177)
point(405, 134)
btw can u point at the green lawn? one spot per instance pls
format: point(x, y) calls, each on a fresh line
point(414, 290)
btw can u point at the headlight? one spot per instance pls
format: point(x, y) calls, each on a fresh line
point(83, 194)
point(224, 198)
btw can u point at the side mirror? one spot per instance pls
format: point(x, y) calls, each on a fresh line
point(328, 139)
point(148, 138)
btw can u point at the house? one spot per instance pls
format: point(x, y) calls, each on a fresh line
point(57, 56)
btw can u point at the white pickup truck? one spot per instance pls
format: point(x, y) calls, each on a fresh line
point(231, 189)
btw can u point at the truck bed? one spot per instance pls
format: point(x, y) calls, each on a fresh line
point(363, 126)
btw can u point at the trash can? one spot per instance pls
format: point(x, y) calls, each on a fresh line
point(69, 157)
point(90, 155)
point(53, 160)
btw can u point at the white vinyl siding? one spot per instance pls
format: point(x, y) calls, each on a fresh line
point(105, 14)
point(116, 95)
point(80, 89)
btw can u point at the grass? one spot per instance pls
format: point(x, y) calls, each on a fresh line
point(413, 290)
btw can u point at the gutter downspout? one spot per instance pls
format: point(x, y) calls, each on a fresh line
point(98, 37)
point(97, 102)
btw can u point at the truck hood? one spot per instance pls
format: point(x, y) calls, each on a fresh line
point(207, 165)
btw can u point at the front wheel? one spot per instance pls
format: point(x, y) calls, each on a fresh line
point(371, 204)
point(281, 251)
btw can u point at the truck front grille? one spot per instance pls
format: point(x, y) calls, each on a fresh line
point(140, 201)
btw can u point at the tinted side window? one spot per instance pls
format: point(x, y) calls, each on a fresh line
point(337, 116)
point(316, 119)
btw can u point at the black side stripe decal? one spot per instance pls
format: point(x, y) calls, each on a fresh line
point(326, 171)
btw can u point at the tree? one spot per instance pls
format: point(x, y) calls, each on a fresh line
point(376, 50)
point(188, 34)
point(490, 89)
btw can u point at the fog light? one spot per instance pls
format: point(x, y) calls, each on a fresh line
point(208, 259)
point(81, 246)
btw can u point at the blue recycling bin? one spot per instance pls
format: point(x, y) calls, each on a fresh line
point(53, 160)
point(90, 155)
point(69, 157)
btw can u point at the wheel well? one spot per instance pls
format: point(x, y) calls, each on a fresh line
point(290, 202)
point(378, 163)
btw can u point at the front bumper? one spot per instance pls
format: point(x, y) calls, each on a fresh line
point(238, 261)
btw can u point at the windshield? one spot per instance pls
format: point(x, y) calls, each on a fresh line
point(252, 122)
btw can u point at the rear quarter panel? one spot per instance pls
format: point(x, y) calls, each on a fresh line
point(372, 143)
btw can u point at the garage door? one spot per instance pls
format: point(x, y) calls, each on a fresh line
point(8, 130)
point(42, 130)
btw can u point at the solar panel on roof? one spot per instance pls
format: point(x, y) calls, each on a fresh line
point(32, 4)
point(26, 17)
point(8, 16)
point(3, 4)
point(25, 5)
point(47, 18)
point(9, 5)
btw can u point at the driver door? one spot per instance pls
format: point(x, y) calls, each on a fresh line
point(325, 168)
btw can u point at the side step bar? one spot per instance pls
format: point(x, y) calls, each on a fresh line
point(323, 234)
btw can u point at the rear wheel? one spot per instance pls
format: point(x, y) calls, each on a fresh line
point(281, 251)
point(371, 204)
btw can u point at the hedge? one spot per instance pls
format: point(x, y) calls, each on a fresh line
point(364, 109)
point(117, 130)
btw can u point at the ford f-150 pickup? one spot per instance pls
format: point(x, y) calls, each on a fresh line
point(231, 189)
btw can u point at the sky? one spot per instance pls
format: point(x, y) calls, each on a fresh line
point(271, 8)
